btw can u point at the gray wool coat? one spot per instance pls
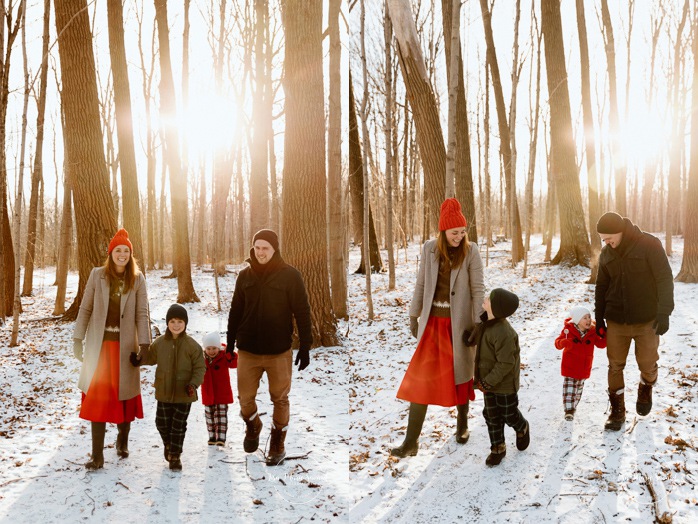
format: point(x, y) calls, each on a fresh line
point(134, 329)
point(467, 295)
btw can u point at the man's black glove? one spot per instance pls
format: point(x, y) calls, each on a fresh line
point(661, 324)
point(466, 337)
point(302, 359)
point(600, 327)
point(77, 349)
point(230, 348)
point(134, 359)
point(414, 326)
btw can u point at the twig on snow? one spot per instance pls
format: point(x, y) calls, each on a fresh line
point(94, 504)
point(662, 512)
point(632, 426)
point(18, 479)
point(568, 451)
point(124, 485)
point(299, 457)
point(232, 461)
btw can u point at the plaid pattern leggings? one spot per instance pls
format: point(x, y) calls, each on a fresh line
point(500, 409)
point(217, 421)
point(171, 421)
point(572, 392)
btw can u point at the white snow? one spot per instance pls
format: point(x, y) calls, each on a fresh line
point(344, 412)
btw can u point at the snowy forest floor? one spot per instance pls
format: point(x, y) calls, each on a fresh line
point(344, 412)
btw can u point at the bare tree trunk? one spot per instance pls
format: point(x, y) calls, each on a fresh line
point(338, 264)
point(37, 172)
point(201, 219)
point(269, 117)
point(304, 192)
point(504, 136)
point(453, 81)
point(515, 74)
point(178, 179)
point(66, 233)
point(124, 128)
point(389, 125)
point(89, 179)
point(423, 103)
point(364, 134)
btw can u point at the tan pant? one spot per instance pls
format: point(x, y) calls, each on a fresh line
point(619, 337)
point(251, 367)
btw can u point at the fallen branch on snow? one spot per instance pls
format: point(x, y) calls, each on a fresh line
point(656, 488)
point(18, 479)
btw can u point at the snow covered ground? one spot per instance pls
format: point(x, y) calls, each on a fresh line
point(344, 412)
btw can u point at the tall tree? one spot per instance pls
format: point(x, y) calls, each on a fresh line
point(304, 229)
point(89, 180)
point(37, 172)
point(390, 157)
point(420, 94)
point(504, 136)
point(178, 178)
point(574, 241)
point(124, 128)
point(338, 263)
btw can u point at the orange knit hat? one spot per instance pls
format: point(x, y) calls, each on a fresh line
point(451, 215)
point(120, 239)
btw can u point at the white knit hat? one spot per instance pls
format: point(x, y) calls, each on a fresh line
point(212, 339)
point(576, 313)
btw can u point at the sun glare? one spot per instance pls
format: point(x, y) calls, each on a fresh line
point(208, 124)
point(645, 136)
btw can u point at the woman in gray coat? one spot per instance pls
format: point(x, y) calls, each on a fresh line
point(113, 320)
point(447, 301)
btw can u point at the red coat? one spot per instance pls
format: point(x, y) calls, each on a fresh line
point(578, 350)
point(216, 388)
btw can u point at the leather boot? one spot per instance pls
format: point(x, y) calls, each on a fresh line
point(497, 453)
point(462, 433)
point(166, 448)
point(175, 462)
point(122, 439)
point(644, 398)
point(523, 438)
point(277, 451)
point(98, 431)
point(415, 419)
point(254, 428)
point(617, 417)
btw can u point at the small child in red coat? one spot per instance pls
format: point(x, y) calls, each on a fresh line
point(577, 341)
point(216, 392)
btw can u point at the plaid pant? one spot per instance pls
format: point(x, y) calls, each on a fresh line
point(501, 408)
point(572, 392)
point(171, 421)
point(217, 421)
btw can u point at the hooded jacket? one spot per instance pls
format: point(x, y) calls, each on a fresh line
point(216, 388)
point(498, 355)
point(578, 350)
point(635, 282)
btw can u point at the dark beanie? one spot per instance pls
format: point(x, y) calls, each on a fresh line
point(177, 311)
point(503, 302)
point(610, 223)
point(269, 236)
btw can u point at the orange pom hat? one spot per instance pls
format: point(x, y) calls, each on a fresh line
point(120, 239)
point(451, 215)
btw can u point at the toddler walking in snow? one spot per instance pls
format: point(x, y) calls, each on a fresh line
point(577, 341)
point(216, 392)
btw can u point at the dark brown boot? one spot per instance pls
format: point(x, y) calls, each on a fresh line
point(277, 451)
point(98, 431)
point(644, 398)
point(497, 453)
point(175, 462)
point(415, 420)
point(122, 439)
point(617, 417)
point(167, 451)
point(462, 433)
point(254, 428)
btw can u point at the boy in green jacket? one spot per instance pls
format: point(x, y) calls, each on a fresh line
point(497, 367)
point(180, 370)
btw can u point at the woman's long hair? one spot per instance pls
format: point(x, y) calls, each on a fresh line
point(458, 256)
point(130, 272)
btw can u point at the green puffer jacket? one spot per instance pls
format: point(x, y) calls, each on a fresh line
point(497, 359)
point(180, 361)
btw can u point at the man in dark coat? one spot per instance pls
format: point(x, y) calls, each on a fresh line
point(268, 295)
point(635, 296)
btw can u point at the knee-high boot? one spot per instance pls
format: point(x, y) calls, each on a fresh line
point(462, 432)
point(122, 439)
point(410, 446)
point(98, 431)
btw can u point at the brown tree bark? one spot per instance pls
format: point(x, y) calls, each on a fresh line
point(422, 100)
point(504, 136)
point(304, 229)
point(37, 172)
point(356, 190)
point(94, 211)
point(574, 241)
point(389, 158)
point(124, 129)
point(338, 263)
point(178, 179)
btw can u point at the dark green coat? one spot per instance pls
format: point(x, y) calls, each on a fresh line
point(180, 361)
point(497, 359)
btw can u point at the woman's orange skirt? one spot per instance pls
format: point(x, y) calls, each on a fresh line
point(101, 403)
point(430, 377)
